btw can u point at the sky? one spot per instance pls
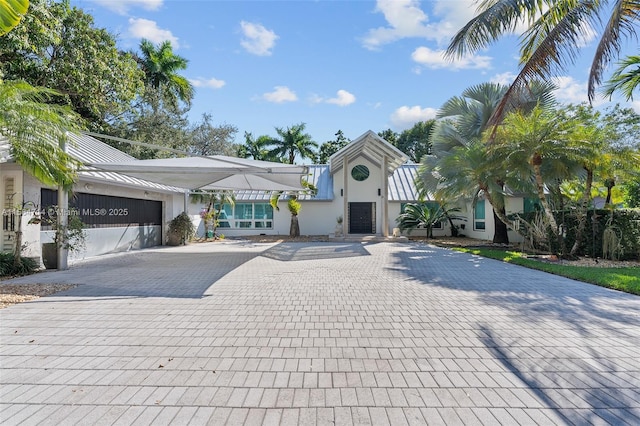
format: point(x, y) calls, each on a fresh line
point(353, 65)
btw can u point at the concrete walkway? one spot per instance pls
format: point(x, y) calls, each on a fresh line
point(318, 333)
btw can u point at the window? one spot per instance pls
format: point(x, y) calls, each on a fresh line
point(479, 216)
point(246, 216)
point(360, 172)
point(531, 205)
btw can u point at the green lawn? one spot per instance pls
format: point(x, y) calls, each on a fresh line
point(624, 279)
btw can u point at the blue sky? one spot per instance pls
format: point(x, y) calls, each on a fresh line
point(350, 65)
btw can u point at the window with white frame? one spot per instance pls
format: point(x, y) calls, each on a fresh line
point(246, 216)
point(479, 223)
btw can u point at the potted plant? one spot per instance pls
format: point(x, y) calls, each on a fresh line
point(338, 231)
point(181, 230)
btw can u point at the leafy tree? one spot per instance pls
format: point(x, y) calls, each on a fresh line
point(416, 141)
point(154, 122)
point(389, 136)
point(11, 12)
point(37, 132)
point(555, 35)
point(207, 139)
point(160, 66)
point(329, 148)
point(632, 196)
point(255, 148)
point(58, 46)
point(293, 141)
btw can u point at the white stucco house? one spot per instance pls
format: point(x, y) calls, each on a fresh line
point(366, 184)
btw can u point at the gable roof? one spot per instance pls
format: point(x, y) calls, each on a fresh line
point(372, 147)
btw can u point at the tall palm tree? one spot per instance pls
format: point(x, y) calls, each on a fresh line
point(37, 131)
point(555, 35)
point(293, 141)
point(255, 147)
point(161, 67)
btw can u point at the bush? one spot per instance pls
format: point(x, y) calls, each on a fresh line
point(28, 265)
point(625, 223)
point(181, 227)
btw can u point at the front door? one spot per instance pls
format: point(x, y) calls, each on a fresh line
point(361, 218)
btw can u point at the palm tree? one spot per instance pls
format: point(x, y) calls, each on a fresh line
point(255, 147)
point(37, 132)
point(542, 147)
point(623, 79)
point(11, 12)
point(214, 202)
point(424, 215)
point(465, 120)
point(555, 34)
point(161, 67)
point(293, 142)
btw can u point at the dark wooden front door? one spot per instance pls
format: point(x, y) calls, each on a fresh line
point(361, 218)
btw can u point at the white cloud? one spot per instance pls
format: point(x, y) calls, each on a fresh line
point(212, 83)
point(405, 117)
point(343, 98)
point(144, 28)
point(123, 6)
point(435, 59)
point(570, 91)
point(505, 78)
point(280, 94)
point(257, 39)
point(406, 19)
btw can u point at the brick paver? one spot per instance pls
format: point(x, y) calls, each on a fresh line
point(318, 333)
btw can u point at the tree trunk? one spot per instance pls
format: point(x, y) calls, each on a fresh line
point(500, 234)
point(543, 200)
point(586, 197)
point(610, 183)
point(294, 229)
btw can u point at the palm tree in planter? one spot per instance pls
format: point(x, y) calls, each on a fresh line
point(293, 205)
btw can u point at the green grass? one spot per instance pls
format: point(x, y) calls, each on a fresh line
point(625, 279)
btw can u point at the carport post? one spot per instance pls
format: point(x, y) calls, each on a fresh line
point(62, 216)
point(186, 202)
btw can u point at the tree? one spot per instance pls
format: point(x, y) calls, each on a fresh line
point(416, 141)
point(329, 148)
point(554, 37)
point(389, 136)
point(255, 148)
point(37, 133)
point(542, 146)
point(207, 139)
point(624, 79)
point(464, 121)
point(293, 141)
point(423, 215)
point(150, 121)
point(58, 46)
point(11, 12)
point(214, 202)
point(160, 66)
point(632, 196)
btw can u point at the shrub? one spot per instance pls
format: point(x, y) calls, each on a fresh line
point(28, 265)
point(182, 227)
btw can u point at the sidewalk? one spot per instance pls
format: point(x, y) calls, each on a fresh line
point(242, 333)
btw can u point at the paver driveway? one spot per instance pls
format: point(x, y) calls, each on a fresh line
point(306, 333)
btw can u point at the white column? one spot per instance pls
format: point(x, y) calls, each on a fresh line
point(385, 197)
point(345, 200)
point(63, 221)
